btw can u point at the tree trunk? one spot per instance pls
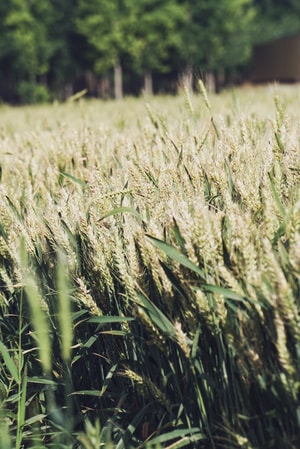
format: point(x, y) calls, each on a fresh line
point(148, 83)
point(210, 82)
point(186, 79)
point(118, 80)
point(91, 82)
point(68, 90)
point(104, 87)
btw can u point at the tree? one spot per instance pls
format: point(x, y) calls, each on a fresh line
point(276, 18)
point(49, 43)
point(141, 34)
point(218, 34)
point(65, 46)
point(107, 26)
point(35, 48)
point(157, 34)
point(18, 52)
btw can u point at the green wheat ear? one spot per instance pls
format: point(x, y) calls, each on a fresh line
point(203, 91)
point(41, 332)
point(187, 98)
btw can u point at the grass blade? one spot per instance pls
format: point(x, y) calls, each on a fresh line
point(73, 178)
point(176, 255)
point(123, 442)
point(109, 319)
point(10, 364)
point(156, 315)
point(38, 315)
point(121, 210)
point(21, 412)
point(276, 196)
point(65, 310)
point(180, 433)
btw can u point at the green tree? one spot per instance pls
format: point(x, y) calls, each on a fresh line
point(107, 25)
point(157, 34)
point(18, 55)
point(36, 48)
point(218, 34)
point(65, 46)
point(276, 18)
point(24, 49)
point(141, 34)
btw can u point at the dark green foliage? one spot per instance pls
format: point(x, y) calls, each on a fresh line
point(33, 93)
point(64, 46)
point(216, 36)
point(275, 19)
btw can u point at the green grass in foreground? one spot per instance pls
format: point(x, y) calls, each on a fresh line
point(150, 273)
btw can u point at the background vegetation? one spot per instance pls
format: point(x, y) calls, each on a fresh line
point(150, 273)
point(53, 48)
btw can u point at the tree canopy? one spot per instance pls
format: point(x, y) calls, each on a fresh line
point(276, 18)
point(49, 47)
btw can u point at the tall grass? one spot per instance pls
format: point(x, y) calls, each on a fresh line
point(149, 272)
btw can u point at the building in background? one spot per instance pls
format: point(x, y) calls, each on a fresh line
point(278, 60)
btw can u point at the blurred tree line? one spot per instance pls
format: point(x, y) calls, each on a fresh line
point(52, 48)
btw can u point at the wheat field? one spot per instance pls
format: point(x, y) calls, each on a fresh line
point(150, 272)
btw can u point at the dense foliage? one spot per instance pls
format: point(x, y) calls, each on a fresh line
point(150, 273)
point(51, 48)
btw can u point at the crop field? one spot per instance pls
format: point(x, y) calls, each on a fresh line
point(150, 272)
